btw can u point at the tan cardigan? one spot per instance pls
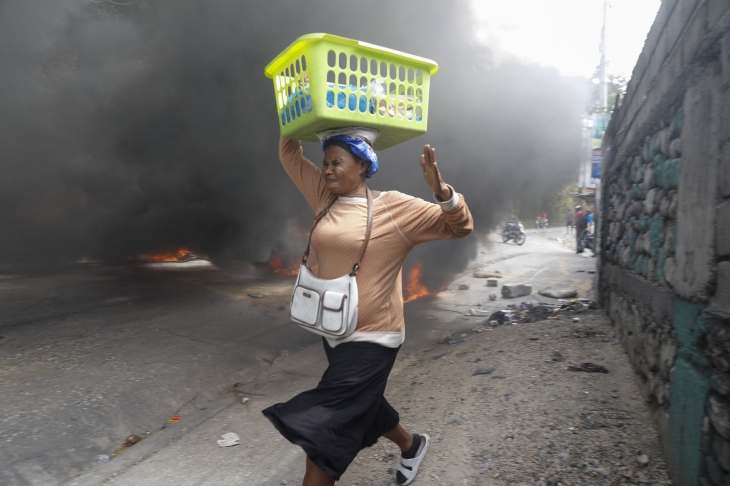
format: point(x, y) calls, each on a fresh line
point(399, 223)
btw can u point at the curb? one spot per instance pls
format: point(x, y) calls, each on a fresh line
point(151, 445)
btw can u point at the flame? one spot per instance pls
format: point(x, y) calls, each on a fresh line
point(291, 267)
point(414, 288)
point(277, 265)
point(170, 256)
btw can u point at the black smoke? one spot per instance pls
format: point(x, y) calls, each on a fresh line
point(137, 126)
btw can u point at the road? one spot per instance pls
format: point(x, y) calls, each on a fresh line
point(90, 354)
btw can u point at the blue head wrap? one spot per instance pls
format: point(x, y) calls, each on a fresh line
point(359, 148)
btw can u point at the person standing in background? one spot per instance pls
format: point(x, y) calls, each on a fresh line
point(580, 227)
point(589, 219)
point(569, 222)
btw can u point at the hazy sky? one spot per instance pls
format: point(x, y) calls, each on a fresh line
point(566, 34)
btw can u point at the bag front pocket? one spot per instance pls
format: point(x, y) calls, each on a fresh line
point(305, 305)
point(333, 311)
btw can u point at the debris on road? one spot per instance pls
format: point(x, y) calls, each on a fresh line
point(457, 341)
point(244, 400)
point(510, 291)
point(499, 318)
point(486, 274)
point(444, 337)
point(175, 418)
point(131, 440)
point(477, 312)
point(257, 295)
point(557, 356)
point(579, 305)
point(491, 283)
point(492, 296)
point(229, 439)
point(558, 293)
point(100, 459)
point(589, 368)
point(463, 286)
point(483, 371)
point(535, 313)
point(532, 312)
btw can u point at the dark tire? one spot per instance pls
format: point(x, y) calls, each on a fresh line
point(520, 239)
point(505, 237)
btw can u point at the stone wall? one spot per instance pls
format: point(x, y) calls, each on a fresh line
point(664, 262)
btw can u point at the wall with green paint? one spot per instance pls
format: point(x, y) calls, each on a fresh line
point(664, 262)
point(690, 386)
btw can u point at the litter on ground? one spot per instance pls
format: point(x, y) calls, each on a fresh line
point(589, 367)
point(229, 439)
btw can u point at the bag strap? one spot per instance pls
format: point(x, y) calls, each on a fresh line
point(324, 212)
point(356, 266)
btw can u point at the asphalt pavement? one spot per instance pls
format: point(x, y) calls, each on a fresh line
point(92, 354)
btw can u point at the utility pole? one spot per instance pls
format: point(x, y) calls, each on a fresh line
point(603, 87)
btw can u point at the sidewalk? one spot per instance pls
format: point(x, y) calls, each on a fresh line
point(528, 422)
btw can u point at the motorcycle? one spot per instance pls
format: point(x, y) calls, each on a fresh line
point(541, 223)
point(514, 231)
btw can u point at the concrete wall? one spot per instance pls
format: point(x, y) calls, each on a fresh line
point(664, 264)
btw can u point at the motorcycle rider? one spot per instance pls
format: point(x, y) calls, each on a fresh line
point(542, 220)
point(513, 230)
point(510, 226)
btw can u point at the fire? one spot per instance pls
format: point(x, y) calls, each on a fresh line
point(170, 256)
point(277, 265)
point(290, 268)
point(414, 288)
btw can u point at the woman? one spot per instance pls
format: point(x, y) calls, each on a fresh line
point(347, 411)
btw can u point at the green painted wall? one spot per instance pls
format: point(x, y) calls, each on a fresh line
point(689, 393)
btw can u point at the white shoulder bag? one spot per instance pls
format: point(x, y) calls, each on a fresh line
point(328, 307)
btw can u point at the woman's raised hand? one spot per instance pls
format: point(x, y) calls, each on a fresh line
point(432, 175)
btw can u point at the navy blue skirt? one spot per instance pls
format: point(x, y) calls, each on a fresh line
point(346, 412)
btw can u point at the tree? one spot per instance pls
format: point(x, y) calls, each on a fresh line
point(616, 87)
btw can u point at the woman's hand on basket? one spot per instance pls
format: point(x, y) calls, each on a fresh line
point(432, 175)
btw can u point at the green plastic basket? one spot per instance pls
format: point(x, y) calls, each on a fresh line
point(323, 82)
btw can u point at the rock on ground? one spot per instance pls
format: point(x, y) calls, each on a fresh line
point(559, 293)
point(486, 274)
point(511, 291)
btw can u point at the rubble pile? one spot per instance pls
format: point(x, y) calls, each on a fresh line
point(533, 312)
